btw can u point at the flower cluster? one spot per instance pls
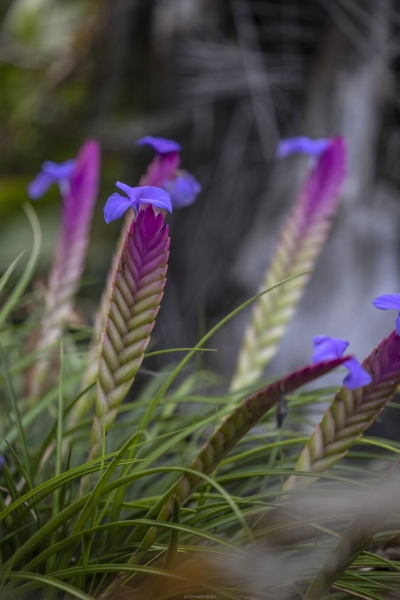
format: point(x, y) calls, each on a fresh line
point(78, 181)
point(117, 204)
point(168, 187)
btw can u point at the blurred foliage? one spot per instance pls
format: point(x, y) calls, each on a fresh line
point(49, 81)
point(44, 83)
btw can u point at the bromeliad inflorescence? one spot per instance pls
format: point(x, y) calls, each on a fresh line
point(136, 291)
point(78, 181)
point(301, 241)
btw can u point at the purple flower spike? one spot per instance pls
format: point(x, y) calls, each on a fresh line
point(117, 205)
point(327, 348)
point(50, 173)
point(159, 144)
point(183, 189)
point(387, 302)
point(78, 205)
point(302, 145)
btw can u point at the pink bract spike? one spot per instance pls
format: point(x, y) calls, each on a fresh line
point(299, 246)
point(320, 194)
point(77, 213)
point(136, 292)
point(69, 261)
point(161, 168)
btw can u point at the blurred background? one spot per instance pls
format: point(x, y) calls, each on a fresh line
point(227, 79)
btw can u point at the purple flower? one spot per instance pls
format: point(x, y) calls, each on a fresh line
point(303, 145)
point(117, 205)
point(328, 348)
point(183, 189)
point(159, 144)
point(50, 173)
point(357, 377)
point(387, 302)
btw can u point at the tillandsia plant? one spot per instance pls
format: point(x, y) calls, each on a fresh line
point(191, 491)
point(183, 188)
point(78, 181)
point(301, 241)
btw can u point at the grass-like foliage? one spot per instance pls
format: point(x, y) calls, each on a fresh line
point(172, 489)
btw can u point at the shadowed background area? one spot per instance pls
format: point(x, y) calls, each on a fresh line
point(227, 79)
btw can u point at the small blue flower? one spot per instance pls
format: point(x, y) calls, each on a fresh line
point(50, 173)
point(183, 189)
point(303, 145)
point(117, 204)
point(159, 144)
point(387, 302)
point(327, 348)
point(357, 376)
